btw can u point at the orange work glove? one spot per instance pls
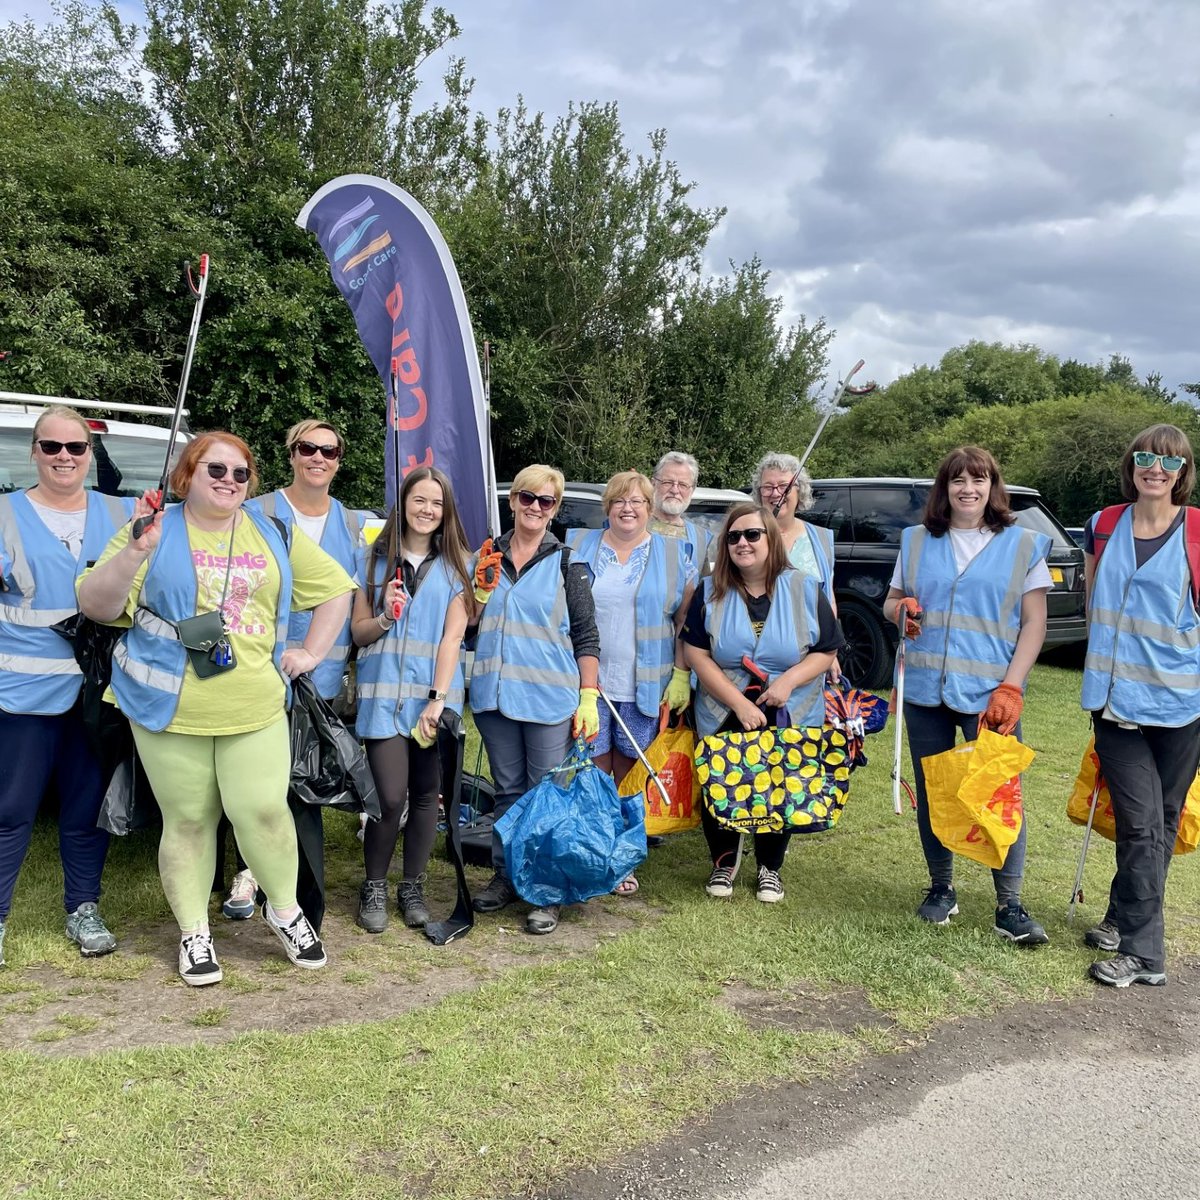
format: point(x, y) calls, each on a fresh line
point(487, 571)
point(912, 615)
point(1004, 708)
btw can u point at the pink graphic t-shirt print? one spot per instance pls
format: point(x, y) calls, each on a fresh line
point(246, 609)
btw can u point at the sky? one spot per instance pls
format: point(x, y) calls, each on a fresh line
point(919, 173)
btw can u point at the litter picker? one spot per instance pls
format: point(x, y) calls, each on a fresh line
point(197, 290)
point(897, 782)
point(1077, 890)
point(650, 771)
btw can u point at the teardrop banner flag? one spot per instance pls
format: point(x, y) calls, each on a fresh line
point(391, 263)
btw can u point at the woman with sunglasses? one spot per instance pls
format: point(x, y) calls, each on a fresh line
point(48, 535)
point(533, 685)
point(757, 608)
point(409, 670)
point(315, 450)
point(642, 584)
point(980, 581)
point(1141, 684)
point(783, 486)
point(204, 676)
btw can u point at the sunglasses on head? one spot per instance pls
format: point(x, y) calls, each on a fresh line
point(74, 449)
point(308, 449)
point(219, 470)
point(529, 499)
point(751, 535)
point(1147, 458)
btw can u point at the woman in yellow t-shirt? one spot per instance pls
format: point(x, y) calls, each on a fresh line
point(204, 678)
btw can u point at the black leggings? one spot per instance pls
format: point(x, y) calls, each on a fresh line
point(407, 779)
point(769, 848)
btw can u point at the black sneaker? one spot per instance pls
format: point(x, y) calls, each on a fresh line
point(542, 920)
point(498, 894)
point(198, 964)
point(1124, 970)
point(1105, 936)
point(770, 886)
point(300, 942)
point(1015, 924)
point(372, 905)
point(940, 905)
point(724, 872)
point(410, 896)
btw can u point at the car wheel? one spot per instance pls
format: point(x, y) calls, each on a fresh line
point(867, 656)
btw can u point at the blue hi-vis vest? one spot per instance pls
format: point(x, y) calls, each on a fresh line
point(38, 672)
point(971, 619)
point(658, 594)
point(821, 540)
point(395, 672)
point(524, 662)
point(149, 661)
point(791, 628)
point(342, 540)
point(1143, 651)
point(698, 541)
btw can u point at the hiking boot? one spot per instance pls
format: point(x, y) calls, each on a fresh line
point(372, 905)
point(542, 920)
point(940, 905)
point(498, 894)
point(1124, 970)
point(198, 966)
point(1105, 936)
point(1015, 924)
point(770, 886)
point(88, 932)
point(724, 872)
point(410, 896)
point(239, 904)
point(300, 942)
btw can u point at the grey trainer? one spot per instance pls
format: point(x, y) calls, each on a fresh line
point(88, 931)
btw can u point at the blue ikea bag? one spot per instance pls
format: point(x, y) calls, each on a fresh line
point(571, 837)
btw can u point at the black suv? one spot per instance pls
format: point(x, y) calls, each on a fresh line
point(867, 517)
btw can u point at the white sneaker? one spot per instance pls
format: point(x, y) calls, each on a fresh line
point(239, 904)
point(198, 964)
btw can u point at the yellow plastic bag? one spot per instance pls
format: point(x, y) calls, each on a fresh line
point(1105, 823)
point(670, 754)
point(974, 796)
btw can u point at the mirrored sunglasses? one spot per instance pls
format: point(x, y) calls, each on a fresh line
point(1145, 459)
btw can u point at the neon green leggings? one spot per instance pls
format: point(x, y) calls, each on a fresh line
point(194, 777)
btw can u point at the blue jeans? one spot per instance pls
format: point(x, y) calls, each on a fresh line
point(932, 731)
point(519, 753)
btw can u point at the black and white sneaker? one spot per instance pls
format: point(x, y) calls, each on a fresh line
point(198, 966)
point(770, 886)
point(939, 905)
point(1014, 924)
point(299, 940)
point(724, 872)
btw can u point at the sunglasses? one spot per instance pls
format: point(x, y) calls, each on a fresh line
point(529, 499)
point(1144, 459)
point(220, 470)
point(74, 449)
point(751, 535)
point(308, 449)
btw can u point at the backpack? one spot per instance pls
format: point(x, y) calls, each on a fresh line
point(1106, 522)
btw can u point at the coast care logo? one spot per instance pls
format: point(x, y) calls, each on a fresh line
point(377, 250)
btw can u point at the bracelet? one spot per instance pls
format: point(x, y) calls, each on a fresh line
point(383, 622)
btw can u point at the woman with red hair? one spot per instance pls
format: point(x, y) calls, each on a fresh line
point(204, 676)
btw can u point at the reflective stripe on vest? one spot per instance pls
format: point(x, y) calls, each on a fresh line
point(395, 673)
point(822, 544)
point(972, 618)
point(38, 673)
point(790, 629)
point(1143, 651)
point(699, 539)
point(524, 662)
point(342, 540)
point(149, 661)
point(658, 595)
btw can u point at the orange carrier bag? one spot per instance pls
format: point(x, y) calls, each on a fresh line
point(671, 755)
point(974, 793)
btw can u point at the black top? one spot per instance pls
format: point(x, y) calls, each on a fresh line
point(1144, 548)
point(829, 632)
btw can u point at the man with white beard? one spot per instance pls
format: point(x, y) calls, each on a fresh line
point(674, 481)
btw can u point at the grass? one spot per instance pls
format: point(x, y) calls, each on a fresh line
point(557, 1062)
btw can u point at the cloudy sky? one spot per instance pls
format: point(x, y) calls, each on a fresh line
point(917, 172)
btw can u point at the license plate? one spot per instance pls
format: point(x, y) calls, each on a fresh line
point(1056, 574)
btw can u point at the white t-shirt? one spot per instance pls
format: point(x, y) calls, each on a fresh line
point(66, 526)
point(313, 526)
point(967, 544)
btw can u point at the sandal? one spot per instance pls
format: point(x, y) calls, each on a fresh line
point(627, 887)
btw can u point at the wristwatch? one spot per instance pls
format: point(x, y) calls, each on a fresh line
point(434, 694)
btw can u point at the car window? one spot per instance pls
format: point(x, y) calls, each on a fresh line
point(880, 515)
point(122, 464)
point(1032, 514)
point(831, 508)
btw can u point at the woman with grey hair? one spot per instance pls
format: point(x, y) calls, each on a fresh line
point(781, 485)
